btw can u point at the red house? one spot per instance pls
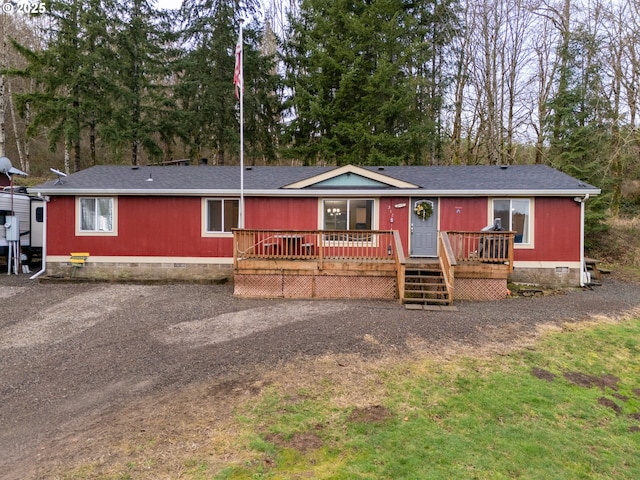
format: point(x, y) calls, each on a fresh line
point(328, 228)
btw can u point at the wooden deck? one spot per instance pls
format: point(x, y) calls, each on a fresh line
point(366, 264)
point(316, 264)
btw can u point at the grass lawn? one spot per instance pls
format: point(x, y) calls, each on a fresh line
point(566, 408)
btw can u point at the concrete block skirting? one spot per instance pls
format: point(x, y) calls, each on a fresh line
point(550, 277)
point(132, 271)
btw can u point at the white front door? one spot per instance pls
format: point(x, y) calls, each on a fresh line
point(424, 232)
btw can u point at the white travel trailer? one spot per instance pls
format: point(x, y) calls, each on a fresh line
point(29, 210)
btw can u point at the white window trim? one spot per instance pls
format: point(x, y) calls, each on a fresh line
point(204, 210)
point(96, 233)
point(532, 210)
point(374, 221)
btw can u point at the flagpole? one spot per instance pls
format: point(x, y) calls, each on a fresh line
point(241, 206)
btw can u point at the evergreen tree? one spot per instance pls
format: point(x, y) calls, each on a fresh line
point(97, 85)
point(205, 85)
point(437, 25)
point(205, 89)
point(262, 98)
point(362, 81)
point(142, 72)
point(57, 70)
point(74, 76)
point(579, 122)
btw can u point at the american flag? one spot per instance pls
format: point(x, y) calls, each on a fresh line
point(238, 81)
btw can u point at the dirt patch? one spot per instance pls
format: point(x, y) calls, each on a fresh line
point(634, 428)
point(301, 441)
point(589, 381)
point(607, 402)
point(543, 374)
point(373, 414)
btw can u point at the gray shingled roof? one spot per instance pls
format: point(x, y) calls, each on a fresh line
point(267, 180)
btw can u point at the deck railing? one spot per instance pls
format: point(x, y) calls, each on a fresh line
point(447, 261)
point(321, 245)
point(482, 247)
point(401, 264)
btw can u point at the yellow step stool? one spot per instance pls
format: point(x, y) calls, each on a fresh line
point(78, 260)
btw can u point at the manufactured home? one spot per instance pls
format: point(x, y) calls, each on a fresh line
point(418, 233)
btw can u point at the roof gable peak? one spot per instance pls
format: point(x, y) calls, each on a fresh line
point(362, 177)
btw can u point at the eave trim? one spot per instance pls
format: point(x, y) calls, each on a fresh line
point(378, 177)
point(319, 192)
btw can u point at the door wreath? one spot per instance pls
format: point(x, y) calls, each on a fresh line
point(423, 209)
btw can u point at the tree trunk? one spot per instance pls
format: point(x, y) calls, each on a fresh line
point(3, 150)
point(92, 142)
point(220, 154)
point(24, 164)
point(67, 157)
point(77, 164)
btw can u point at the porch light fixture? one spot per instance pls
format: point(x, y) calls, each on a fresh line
point(389, 250)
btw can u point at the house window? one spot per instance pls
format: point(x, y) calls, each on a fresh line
point(96, 215)
point(515, 215)
point(221, 215)
point(3, 216)
point(352, 214)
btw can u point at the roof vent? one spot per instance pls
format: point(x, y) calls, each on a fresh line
point(249, 168)
point(504, 167)
point(380, 168)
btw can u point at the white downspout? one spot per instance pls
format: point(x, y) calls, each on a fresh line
point(44, 241)
point(583, 267)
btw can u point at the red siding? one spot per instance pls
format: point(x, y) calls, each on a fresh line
point(556, 230)
point(556, 225)
point(465, 214)
point(400, 216)
point(147, 226)
point(171, 226)
point(281, 213)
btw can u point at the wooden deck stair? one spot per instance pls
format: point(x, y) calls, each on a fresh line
point(424, 285)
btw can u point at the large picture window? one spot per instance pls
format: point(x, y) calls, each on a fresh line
point(515, 215)
point(96, 215)
point(351, 214)
point(221, 215)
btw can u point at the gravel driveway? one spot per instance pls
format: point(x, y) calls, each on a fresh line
point(71, 353)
